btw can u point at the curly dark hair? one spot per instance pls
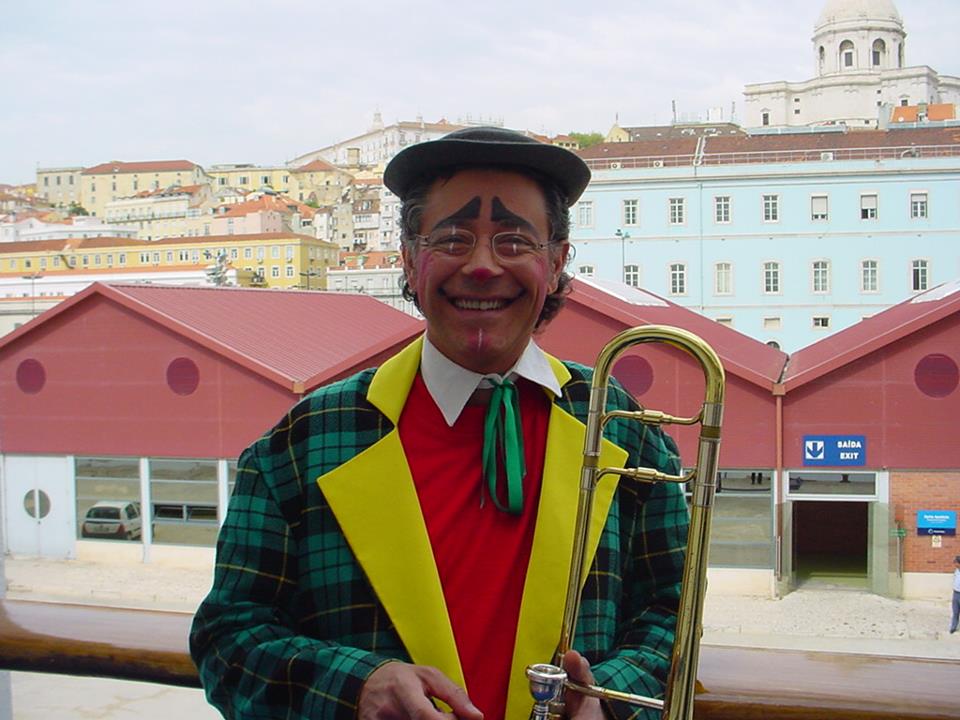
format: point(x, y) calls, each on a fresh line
point(558, 219)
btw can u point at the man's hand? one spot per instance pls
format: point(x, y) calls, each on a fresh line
point(580, 707)
point(401, 691)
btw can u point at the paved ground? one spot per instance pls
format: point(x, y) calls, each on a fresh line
point(812, 618)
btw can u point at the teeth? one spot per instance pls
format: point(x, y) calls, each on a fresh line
point(469, 304)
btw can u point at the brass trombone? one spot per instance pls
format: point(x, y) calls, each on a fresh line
point(548, 681)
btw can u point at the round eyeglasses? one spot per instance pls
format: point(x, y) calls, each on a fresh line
point(509, 246)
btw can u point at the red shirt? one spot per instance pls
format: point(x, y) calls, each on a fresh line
point(481, 552)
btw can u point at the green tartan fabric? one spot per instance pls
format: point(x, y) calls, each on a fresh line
point(291, 627)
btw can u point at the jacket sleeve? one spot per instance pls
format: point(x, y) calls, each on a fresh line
point(253, 663)
point(653, 534)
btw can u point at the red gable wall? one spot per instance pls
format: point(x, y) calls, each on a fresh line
point(877, 396)
point(749, 440)
point(106, 391)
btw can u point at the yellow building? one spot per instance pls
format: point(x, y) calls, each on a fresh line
point(165, 213)
point(273, 260)
point(60, 186)
point(111, 181)
point(252, 177)
point(319, 182)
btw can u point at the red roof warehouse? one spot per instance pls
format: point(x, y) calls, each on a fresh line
point(146, 394)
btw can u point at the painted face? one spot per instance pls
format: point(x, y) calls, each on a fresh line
point(480, 310)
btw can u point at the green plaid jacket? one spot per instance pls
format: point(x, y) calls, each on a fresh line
point(293, 624)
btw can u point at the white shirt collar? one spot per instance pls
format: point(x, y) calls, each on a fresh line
point(451, 385)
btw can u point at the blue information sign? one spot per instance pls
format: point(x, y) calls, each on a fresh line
point(834, 450)
point(936, 522)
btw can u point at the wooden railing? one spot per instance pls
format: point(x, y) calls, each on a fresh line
point(737, 683)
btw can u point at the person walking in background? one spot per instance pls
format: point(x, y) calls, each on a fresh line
point(956, 595)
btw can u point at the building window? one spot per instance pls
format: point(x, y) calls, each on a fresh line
point(821, 322)
point(586, 270)
point(877, 53)
point(918, 205)
point(677, 206)
point(868, 207)
point(721, 208)
point(261, 252)
point(920, 275)
point(631, 212)
point(265, 179)
point(585, 213)
point(725, 320)
point(818, 207)
point(846, 54)
point(275, 271)
point(869, 276)
point(771, 323)
point(248, 253)
point(289, 271)
point(275, 252)
point(771, 208)
point(765, 118)
point(244, 180)
point(678, 279)
point(723, 278)
point(771, 278)
point(631, 275)
point(821, 276)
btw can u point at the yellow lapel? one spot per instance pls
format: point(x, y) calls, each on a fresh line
point(541, 609)
point(375, 502)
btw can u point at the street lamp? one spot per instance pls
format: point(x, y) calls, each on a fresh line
point(33, 277)
point(624, 236)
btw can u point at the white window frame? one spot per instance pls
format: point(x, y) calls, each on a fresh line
point(874, 271)
point(770, 207)
point(677, 276)
point(677, 211)
point(631, 275)
point(867, 212)
point(723, 278)
point(824, 214)
point(722, 209)
point(587, 270)
point(820, 322)
point(920, 274)
point(631, 212)
point(585, 213)
point(919, 205)
point(771, 269)
point(820, 277)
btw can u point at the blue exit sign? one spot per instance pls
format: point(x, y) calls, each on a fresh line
point(834, 450)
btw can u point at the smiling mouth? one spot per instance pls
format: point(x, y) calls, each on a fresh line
point(479, 303)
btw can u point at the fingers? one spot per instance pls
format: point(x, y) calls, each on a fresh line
point(580, 707)
point(401, 691)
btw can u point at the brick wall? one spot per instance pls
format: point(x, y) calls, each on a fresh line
point(911, 491)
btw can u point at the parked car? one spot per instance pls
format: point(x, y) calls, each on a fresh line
point(112, 519)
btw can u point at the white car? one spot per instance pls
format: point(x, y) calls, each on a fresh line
point(118, 519)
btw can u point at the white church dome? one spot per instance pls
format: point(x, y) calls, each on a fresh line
point(858, 10)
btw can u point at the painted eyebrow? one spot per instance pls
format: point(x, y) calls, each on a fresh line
point(470, 211)
point(500, 214)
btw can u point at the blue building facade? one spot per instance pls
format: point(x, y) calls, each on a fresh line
point(785, 237)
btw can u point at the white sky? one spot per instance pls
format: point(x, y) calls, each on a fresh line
point(214, 81)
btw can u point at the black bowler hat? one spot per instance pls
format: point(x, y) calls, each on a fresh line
point(481, 146)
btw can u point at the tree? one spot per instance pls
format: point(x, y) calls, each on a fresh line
point(587, 139)
point(77, 209)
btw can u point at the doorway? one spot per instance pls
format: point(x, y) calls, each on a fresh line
point(830, 544)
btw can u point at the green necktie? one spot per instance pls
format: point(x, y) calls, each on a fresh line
point(503, 440)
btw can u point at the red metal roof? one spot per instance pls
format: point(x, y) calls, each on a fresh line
point(884, 328)
point(741, 355)
point(298, 339)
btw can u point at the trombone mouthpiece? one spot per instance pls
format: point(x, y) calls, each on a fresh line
point(546, 686)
